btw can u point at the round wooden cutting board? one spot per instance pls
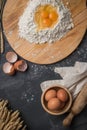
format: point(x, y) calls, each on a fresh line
point(45, 53)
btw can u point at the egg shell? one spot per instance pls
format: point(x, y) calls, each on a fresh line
point(62, 95)
point(50, 94)
point(54, 104)
point(11, 57)
point(8, 68)
point(21, 66)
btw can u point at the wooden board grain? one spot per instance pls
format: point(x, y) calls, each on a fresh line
point(45, 53)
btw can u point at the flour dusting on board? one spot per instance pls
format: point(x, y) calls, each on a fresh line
point(51, 10)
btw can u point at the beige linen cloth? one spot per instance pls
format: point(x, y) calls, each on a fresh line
point(73, 78)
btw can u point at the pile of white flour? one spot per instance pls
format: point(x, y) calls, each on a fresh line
point(28, 28)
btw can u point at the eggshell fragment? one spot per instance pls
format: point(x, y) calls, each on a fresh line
point(11, 57)
point(21, 65)
point(62, 95)
point(54, 104)
point(8, 68)
point(50, 94)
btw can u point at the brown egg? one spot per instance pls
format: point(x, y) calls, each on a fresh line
point(50, 94)
point(54, 104)
point(62, 95)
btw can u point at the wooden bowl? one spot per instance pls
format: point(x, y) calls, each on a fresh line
point(61, 111)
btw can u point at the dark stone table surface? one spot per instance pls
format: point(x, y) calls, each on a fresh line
point(23, 91)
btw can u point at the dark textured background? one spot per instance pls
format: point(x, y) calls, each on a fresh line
point(23, 91)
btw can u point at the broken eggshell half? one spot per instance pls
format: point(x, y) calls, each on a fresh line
point(11, 57)
point(21, 65)
point(8, 68)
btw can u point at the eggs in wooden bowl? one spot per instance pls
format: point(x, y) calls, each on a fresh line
point(56, 100)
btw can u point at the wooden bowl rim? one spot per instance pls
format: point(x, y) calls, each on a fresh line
point(55, 113)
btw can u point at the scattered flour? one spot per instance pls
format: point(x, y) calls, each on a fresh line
point(28, 28)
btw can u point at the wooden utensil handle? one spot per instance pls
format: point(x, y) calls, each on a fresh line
point(67, 121)
point(2, 43)
point(78, 105)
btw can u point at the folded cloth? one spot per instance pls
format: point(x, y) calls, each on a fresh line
point(73, 78)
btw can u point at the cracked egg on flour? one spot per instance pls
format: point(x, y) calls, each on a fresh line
point(45, 21)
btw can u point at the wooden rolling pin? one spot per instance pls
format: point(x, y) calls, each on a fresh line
point(78, 105)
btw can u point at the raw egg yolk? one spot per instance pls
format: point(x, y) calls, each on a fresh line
point(47, 22)
point(46, 16)
point(53, 16)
